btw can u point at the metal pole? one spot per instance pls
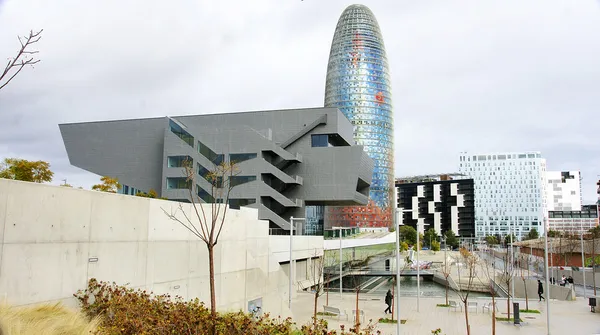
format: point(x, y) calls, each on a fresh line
point(547, 277)
point(512, 262)
point(418, 268)
point(583, 261)
point(397, 297)
point(291, 267)
point(341, 283)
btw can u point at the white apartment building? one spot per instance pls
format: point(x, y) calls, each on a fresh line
point(563, 191)
point(510, 190)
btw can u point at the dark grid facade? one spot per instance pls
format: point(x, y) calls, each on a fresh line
point(453, 209)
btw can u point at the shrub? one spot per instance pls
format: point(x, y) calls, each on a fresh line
point(435, 246)
point(45, 319)
point(126, 311)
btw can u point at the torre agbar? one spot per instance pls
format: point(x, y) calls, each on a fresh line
point(358, 84)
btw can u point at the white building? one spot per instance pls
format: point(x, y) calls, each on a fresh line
point(510, 191)
point(563, 192)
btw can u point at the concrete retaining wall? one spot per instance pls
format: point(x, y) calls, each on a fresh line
point(53, 239)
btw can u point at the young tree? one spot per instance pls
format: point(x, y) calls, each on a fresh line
point(491, 240)
point(524, 261)
point(446, 270)
point(532, 235)
point(592, 261)
point(110, 185)
point(507, 276)
point(24, 170)
point(429, 237)
point(408, 234)
point(316, 278)
point(488, 267)
point(24, 57)
point(469, 261)
point(451, 239)
point(208, 224)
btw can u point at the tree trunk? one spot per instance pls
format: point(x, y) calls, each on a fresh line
point(213, 300)
point(447, 290)
point(508, 299)
point(467, 318)
point(526, 299)
point(493, 313)
point(327, 290)
point(357, 314)
point(315, 311)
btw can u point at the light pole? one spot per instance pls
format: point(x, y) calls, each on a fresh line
point(340, 229)
point(418, 268)
point(547, 277)
point(512, 262)
point(291, 272)
point(582, 261)
point(398, 224)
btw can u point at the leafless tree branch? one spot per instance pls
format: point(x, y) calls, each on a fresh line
point(22, 57)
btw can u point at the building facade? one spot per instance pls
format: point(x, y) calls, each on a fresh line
point(442, 202)
point(285, 159)
point(563, 192)
point(573, 221)
point(358, 83)
point(510, 191)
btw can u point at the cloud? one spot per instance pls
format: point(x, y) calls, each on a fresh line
point(466, 75)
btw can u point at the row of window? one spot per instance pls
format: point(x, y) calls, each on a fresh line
point(500, 157)
point(181, 183)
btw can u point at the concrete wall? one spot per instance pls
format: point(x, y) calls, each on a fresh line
point(556, 292)
point(53, 239)
point(334, 244)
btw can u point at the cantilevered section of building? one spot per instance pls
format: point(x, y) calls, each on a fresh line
point(287, 158)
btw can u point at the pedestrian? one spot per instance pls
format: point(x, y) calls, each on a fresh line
point(540, 290)
point(388, 301)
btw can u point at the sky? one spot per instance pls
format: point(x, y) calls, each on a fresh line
point(475, 76)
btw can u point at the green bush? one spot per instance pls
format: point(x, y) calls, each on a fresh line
point(435, 245)
point(127, 311)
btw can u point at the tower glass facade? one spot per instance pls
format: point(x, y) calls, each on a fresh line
point(358, 83)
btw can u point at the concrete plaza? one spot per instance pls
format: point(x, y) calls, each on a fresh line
point(566, 317)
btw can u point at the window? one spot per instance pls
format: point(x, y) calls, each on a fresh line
point(319, 141)
point(182, 134)
point(237, 158)
point(206, 174)
point(208, 153)
point(178, 183)
point(237, 203)
point(178, 161)
point(238, 180)
point(205, 196)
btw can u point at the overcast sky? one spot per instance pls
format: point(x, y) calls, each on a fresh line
point(476, 76)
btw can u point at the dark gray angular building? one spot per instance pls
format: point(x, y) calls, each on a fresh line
point(287, 159)
point(443, 202)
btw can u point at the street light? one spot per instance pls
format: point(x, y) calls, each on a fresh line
point(291, 272)
point(340, 229)
point(397, 298)
point(547, 277)
point(582, 260)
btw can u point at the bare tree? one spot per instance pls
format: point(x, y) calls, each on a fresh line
point(469, 260)
point(488, 267)
point(507, 276)
point(208, 224)
point(524, 260)
point(316, 278)
point(23, 58)
point(446, 270)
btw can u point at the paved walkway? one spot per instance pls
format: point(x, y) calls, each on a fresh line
point(567, 317)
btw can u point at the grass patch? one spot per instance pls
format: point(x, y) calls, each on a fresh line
point(500, 318)
point(442, 305)
point(45, 319)
point(529, 311)
point(387, 320)
point(326, 314)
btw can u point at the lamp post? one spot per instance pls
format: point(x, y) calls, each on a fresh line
point(582, 261)
point(418, 268)
point(397, 298)
point(547, 277)
point(291, 272)
point(340, 236)
point(512, 262)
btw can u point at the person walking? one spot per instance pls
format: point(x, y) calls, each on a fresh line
point(388, 301)
point(540, 290)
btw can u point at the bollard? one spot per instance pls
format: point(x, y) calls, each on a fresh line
point(516, 313)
